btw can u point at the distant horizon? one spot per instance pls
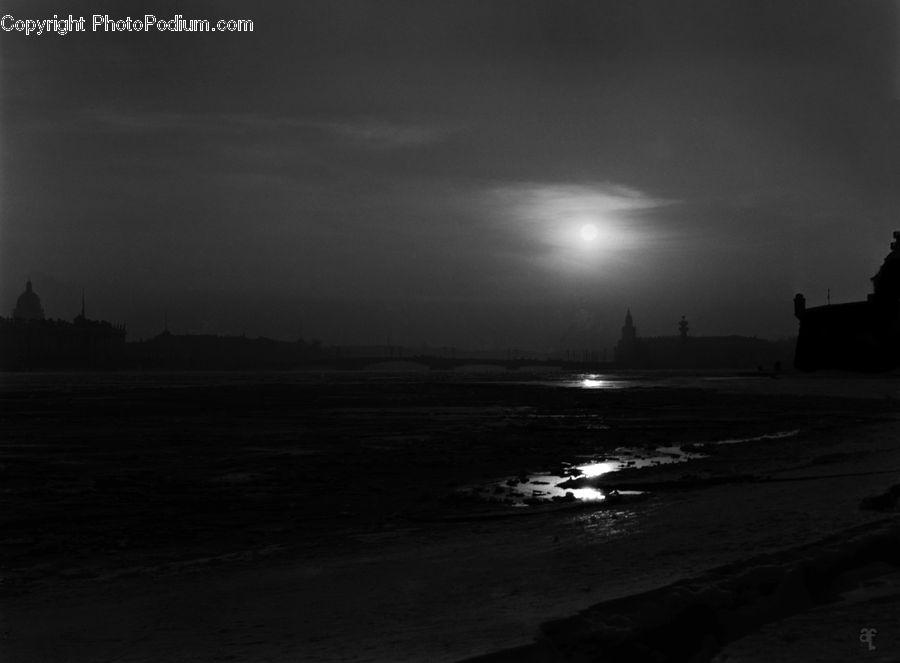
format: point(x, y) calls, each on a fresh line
point(172, 324)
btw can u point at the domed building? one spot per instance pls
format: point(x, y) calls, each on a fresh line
point(29, 340)
point(28, 306)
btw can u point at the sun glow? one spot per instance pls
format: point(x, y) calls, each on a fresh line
point(592, 231)
point(589, 232)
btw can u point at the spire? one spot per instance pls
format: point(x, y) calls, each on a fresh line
point(629, 331)
point(82, 302)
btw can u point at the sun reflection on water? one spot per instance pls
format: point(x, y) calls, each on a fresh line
point(596, 469)
point(565, 485)
point(594, 381)
point(591, 383)
point(587, 494)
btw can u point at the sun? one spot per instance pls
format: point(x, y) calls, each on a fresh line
point(589, 232)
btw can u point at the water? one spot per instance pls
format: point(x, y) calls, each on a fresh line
point(823, 383)
point(545, 487)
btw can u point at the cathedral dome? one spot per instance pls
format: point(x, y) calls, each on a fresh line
point(28, 306)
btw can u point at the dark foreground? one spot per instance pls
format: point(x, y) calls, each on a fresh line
point(280, 517)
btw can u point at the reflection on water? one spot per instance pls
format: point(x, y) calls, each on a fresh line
point(596, 469)
point(540, 488)
point(636, 459)
point(588, 494)
point(594, 381)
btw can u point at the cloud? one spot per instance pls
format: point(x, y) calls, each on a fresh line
point(371, 133)
point(549, 213)
point(378, 134)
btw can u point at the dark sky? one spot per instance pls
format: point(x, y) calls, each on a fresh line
point(417, 172)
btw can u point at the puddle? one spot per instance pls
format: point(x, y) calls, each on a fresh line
point(539, 488)
point(635, 459)
point(545, 487)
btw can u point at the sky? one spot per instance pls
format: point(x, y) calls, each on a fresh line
point(428, 172)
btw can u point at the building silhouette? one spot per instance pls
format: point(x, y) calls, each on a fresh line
point(684, 351)
point(29, 341)
point(627, 350)
point(683, 328)
point(28, 306)
point(856, 336)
